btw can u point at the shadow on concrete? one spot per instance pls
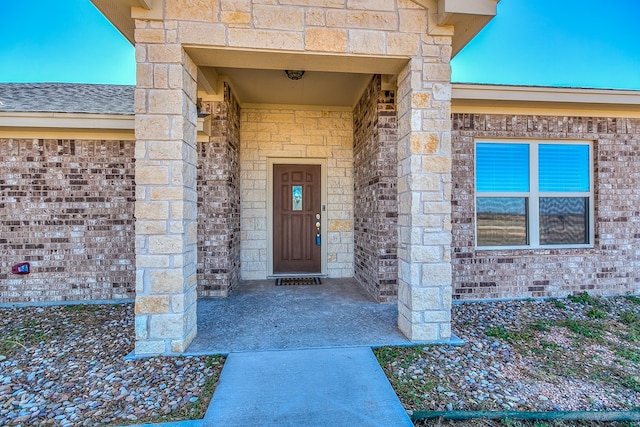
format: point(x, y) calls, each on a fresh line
point(261, 316)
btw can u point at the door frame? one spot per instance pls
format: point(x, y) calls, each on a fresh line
point(323, 202)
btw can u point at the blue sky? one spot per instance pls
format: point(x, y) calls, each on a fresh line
point(579, 43)
point(61, 41)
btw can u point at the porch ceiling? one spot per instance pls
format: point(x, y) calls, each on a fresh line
point(316, 88)
point(258, 77)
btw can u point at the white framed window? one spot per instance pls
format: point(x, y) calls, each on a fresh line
point(534, 194)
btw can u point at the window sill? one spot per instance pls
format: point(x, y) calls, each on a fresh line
point(531, 248)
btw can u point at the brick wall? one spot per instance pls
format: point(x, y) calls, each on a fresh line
point(300, 133)
point(375, 175)
point(611, 267)
point(219, 200)
point(66, 206)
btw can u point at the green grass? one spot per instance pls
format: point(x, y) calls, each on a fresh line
point(413, 390)
point(498, 332)
point(634, 299)
point(407, 355)
point(552, 358)
point(82, 308)
point(630, 318)
point(586, 299)
point(539, 325)
point(197, 409)
point(632, 322)
point(597, 346)
point(10, 345)
point(594, 313)
point(549, 345)
point(631, 354)
point(630, 382)
point(23, 335)
point(545, 348)
point(513, 337)
point(584, 328)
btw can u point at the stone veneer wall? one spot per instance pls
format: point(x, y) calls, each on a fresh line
point(66, 207)
point(219, 200)
point(375, 175)
point(611, 267)
point(296, 133)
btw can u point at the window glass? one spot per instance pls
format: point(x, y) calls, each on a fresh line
point(502, 167)
point(533, 202)
point(501, 221)
point(563, 220)
point(563, 167)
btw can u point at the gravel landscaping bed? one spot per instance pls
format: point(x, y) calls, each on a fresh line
point(64, 366)
point(581, 353)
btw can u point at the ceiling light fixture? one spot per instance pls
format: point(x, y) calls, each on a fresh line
point(294, 74)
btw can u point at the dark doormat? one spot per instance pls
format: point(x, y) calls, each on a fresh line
point(287, 281)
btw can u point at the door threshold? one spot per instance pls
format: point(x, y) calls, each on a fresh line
point(285, 275)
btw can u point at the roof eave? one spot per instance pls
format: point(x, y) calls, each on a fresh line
point(11, 121)
point(467, 18)
point(118, 12)
point(537, 100)
point(544, 94)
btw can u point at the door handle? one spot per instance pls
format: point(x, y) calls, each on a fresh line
point(318, 229)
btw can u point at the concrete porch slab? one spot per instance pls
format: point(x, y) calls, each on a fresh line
point(316, 387)
point(261, 316)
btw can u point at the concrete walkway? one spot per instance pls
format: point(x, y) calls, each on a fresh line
point(316, 387)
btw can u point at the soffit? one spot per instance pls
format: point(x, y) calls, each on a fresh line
point(258, 77)
point(467, 17)
point(466, 28)
point(277, 60)
point(118, 12)
point(316, 88)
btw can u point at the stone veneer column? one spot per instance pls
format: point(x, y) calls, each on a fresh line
point(424, 194)
point(166, 221)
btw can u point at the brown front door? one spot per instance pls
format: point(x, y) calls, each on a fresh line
point(296, 205)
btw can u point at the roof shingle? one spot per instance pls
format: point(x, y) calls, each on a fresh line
point(67, 98)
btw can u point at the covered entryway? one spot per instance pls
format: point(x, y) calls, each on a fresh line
point(261, 191)
point(183, 54)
